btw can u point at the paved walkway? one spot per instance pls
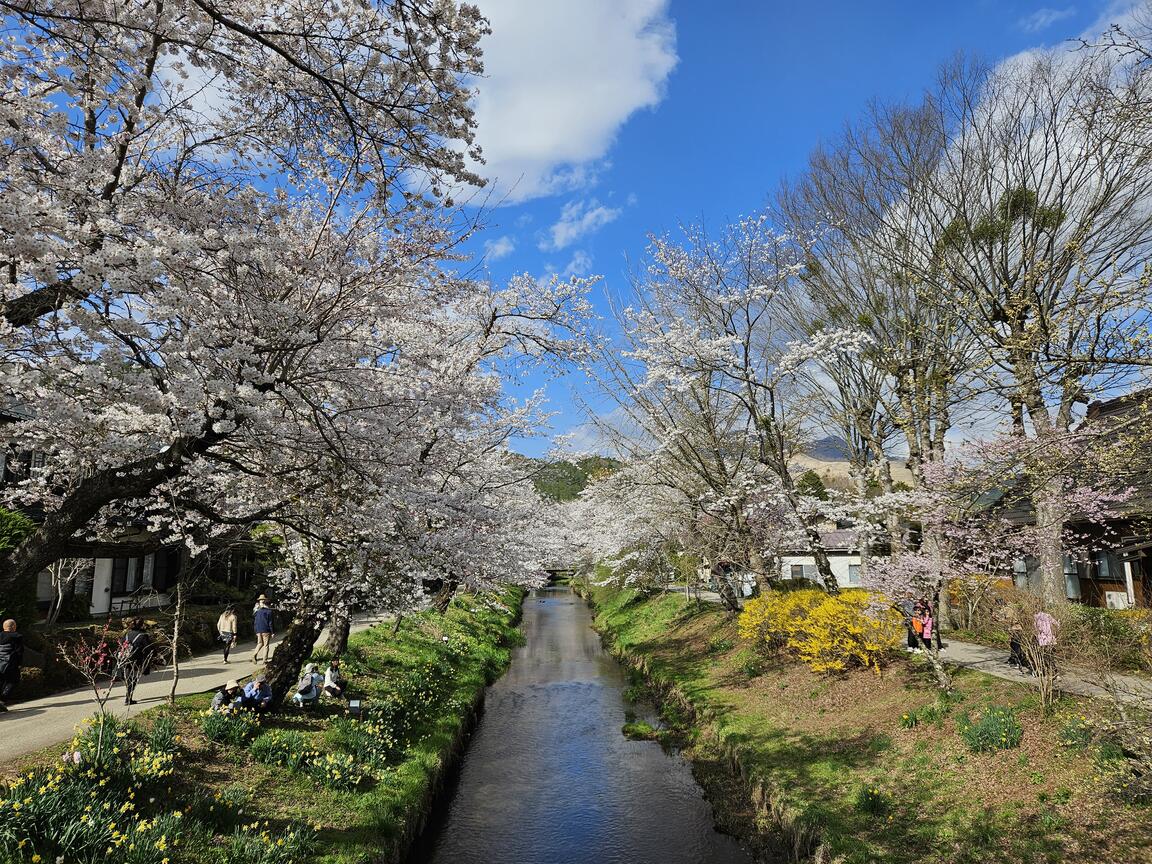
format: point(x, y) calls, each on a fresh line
point(32, 725)
point(994, 661)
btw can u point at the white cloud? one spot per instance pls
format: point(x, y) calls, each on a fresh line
point(578, 219)
point(499, 248)
point(561, 78)
point(580, 265)
point(1044, 18)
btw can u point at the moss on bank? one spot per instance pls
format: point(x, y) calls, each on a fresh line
point(361, 792)
point(871, 766)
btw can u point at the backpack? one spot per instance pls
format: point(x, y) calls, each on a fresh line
point(305, 684)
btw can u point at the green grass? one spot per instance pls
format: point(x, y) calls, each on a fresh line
point(420, 682)
point(835, 753)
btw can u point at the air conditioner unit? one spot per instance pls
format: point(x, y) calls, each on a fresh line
point(1116, 599)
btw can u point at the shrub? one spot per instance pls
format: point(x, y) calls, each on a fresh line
point(1076, 732)
point(719, 645)
point(872, 801)
point(252, 844)
point(337, 770)
point(163, 736)
point(229, 727)
point(995, 728)
point(282, 747)
point(371, 741)
point(639, 730)
point(828, 632)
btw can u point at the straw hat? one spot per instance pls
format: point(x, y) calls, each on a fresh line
point(232, 685)
point(311, 667)
point(262, 597)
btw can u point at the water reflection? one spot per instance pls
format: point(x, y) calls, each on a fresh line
point(549, 779)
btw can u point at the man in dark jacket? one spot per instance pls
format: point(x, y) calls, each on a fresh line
point(262, 625)
point(135, 657)
point(11, 659)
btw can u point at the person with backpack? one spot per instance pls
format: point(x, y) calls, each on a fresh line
point(308, 690)
point(262, 623)
point(136, 650)
point(11, 659)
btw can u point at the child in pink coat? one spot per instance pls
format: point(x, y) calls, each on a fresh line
point(929, 625)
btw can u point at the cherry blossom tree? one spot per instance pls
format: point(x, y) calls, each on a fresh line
point(706, 378)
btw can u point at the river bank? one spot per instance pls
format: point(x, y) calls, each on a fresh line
point(181, 787)
point(870, 768)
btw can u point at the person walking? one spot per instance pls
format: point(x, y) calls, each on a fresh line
point(228, 626)
point(11, 659)
point(907, 608)
point(135, 657)
point(263, 625)
point(1016, 655)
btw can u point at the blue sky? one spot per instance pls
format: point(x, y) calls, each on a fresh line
point(605, 120)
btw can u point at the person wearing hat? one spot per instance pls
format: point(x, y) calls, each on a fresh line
point(308, 690)
point(263, 625)
point(257, 694)
point(229, 698)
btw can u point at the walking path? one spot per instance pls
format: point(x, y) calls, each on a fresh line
point(994, 661)
point(32, 725)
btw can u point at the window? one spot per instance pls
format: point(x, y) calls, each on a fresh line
point(797, 571)
point(119, 575)
point(853, 574)
point(1109, 568)
point(126, 575)
point(804, 571)
point(164, 569)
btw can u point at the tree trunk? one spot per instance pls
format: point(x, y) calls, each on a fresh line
point(444, 596)
point(339, 626)
point(136, 479)
point(823, 564)
point(1052, 587)
point(942, 676)
point(177, 620)
point(283, 670)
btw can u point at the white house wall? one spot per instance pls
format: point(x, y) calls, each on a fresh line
point(101, 587)
point(840, 564)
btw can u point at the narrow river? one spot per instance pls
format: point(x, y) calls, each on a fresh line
point(548, 777)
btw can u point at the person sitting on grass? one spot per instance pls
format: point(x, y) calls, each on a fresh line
point(230, 697)
point(257, 694)
point(308, 690)
point(334, 682)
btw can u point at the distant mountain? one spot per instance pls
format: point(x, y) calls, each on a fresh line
point(829, 449)
point(564, 480)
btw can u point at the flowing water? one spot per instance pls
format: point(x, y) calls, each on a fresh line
point(548, 777)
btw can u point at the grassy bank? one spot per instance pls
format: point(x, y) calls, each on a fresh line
point(183, 787)
point(874, 767)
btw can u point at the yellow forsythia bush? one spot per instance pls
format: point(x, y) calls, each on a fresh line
point(829, 632)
